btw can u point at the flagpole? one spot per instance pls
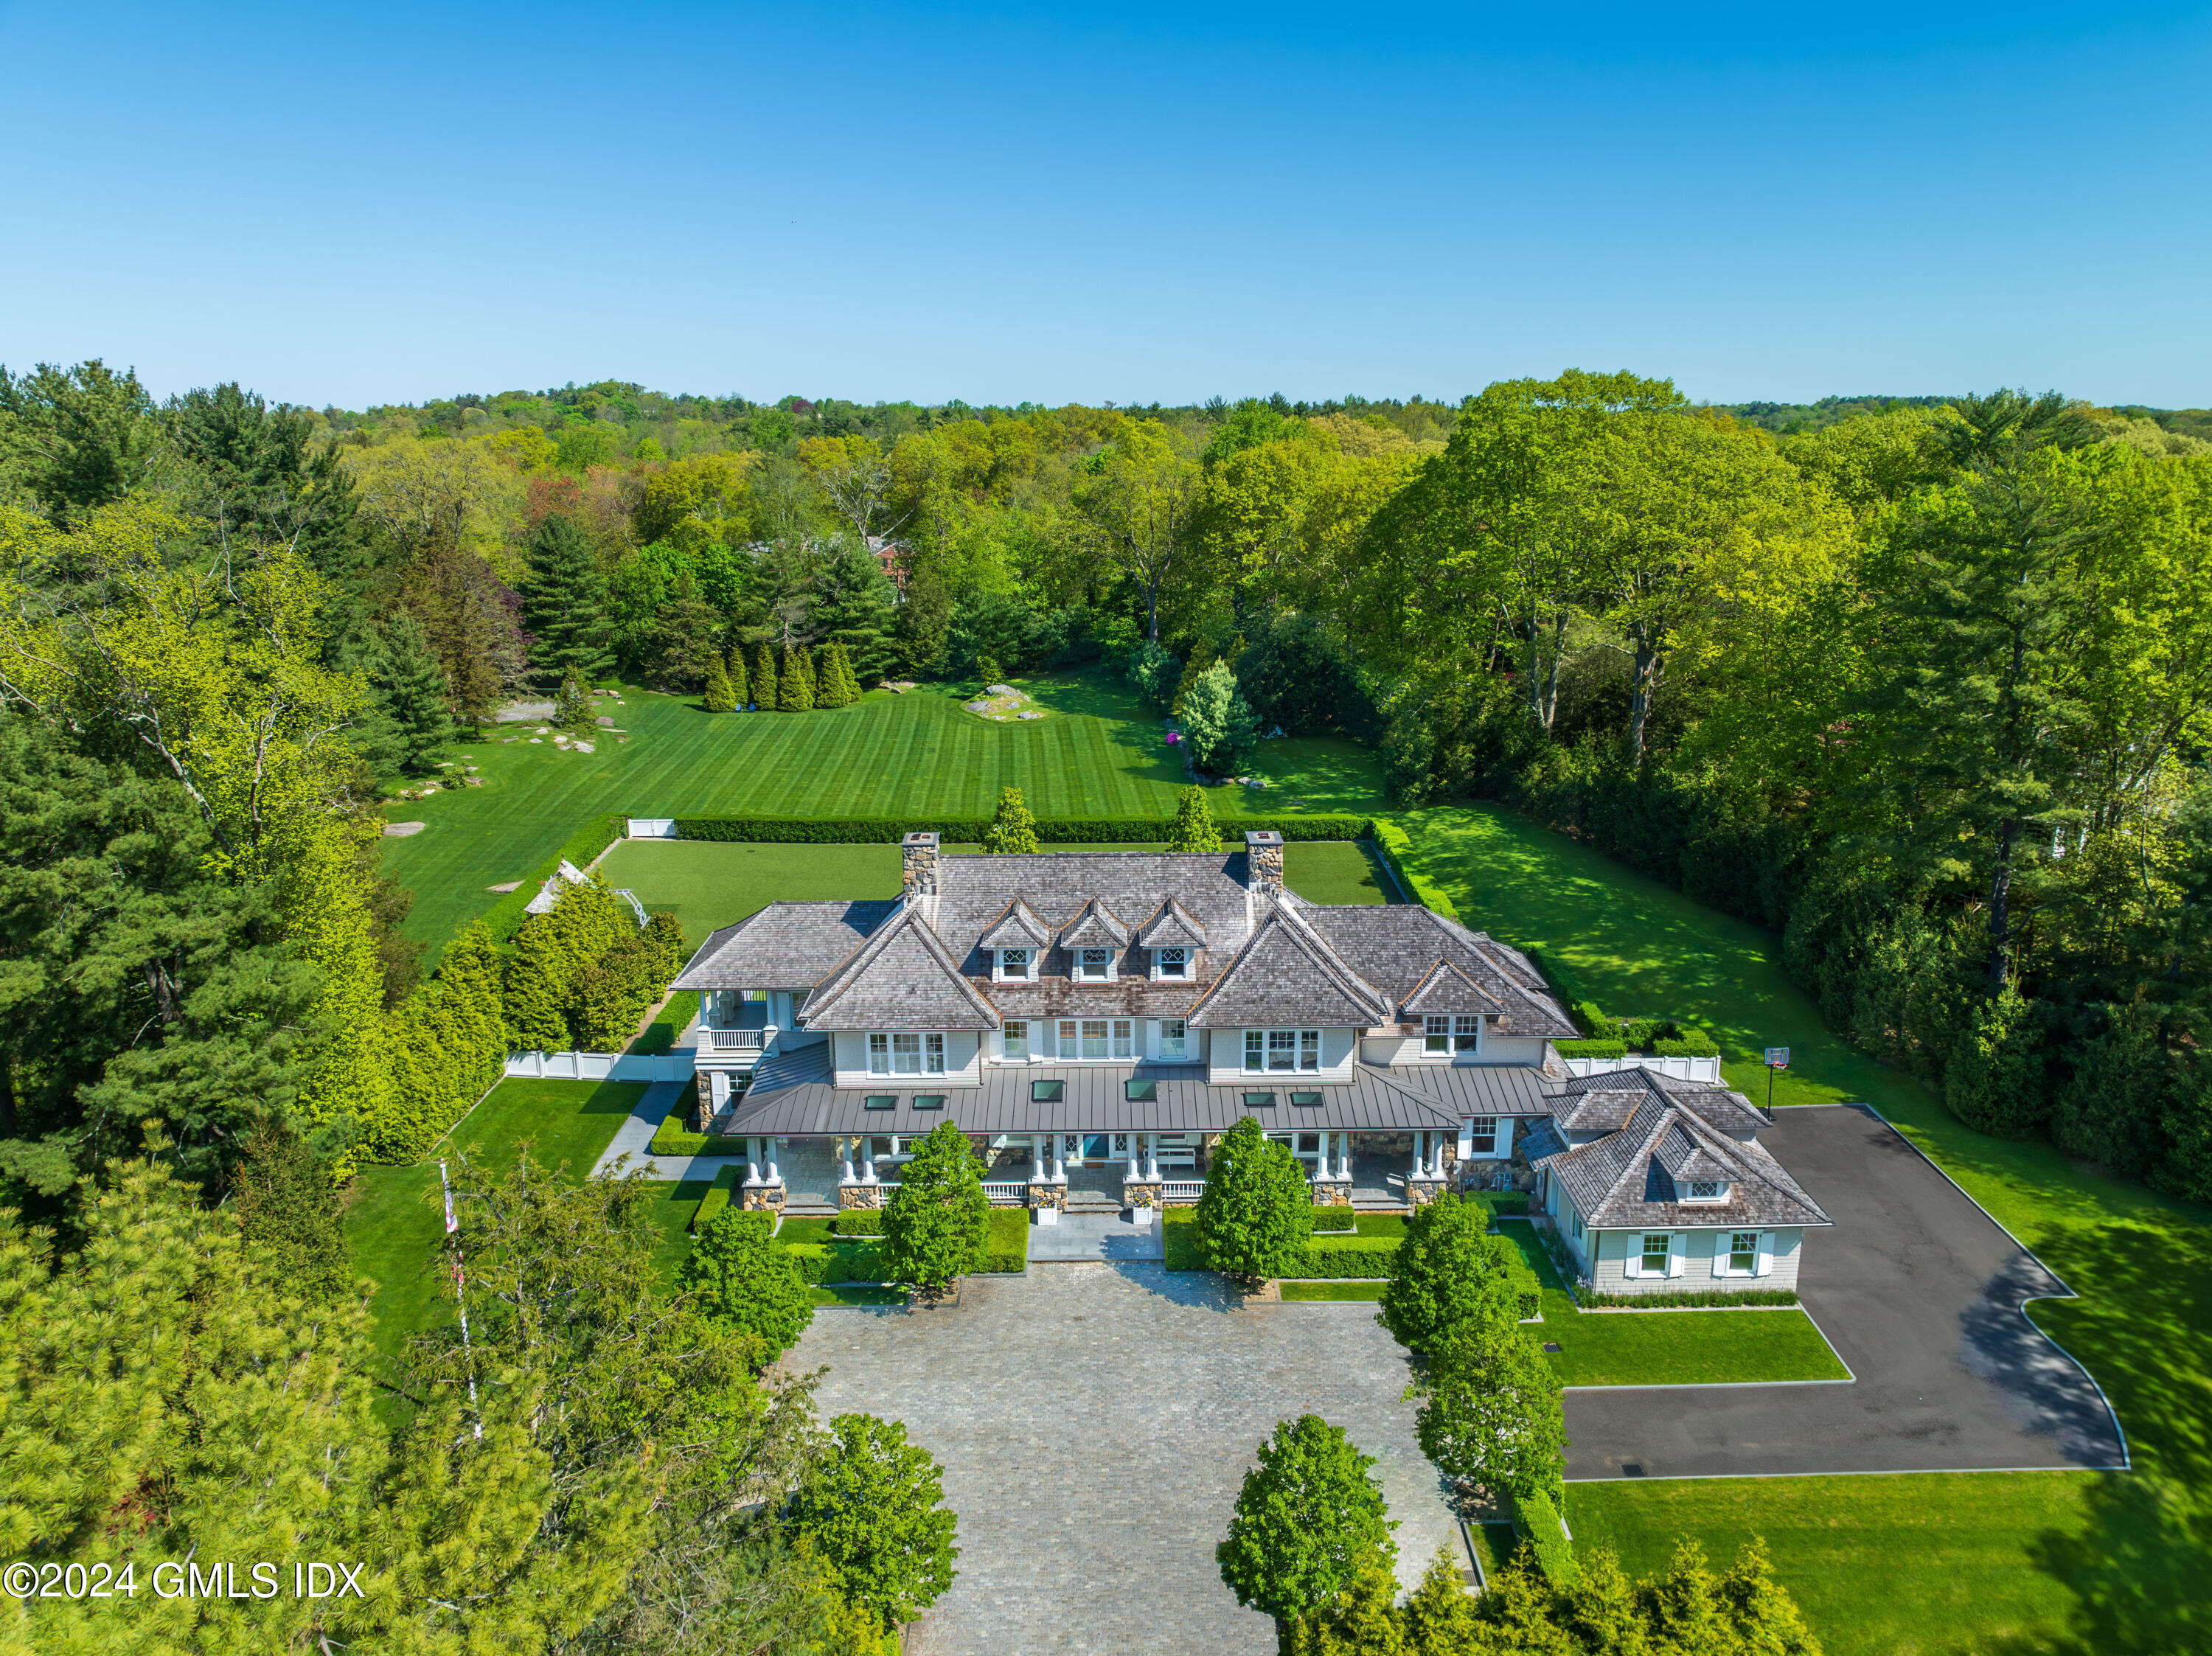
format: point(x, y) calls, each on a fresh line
point(460, 1294)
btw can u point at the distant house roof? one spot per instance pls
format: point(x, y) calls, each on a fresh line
point(550, 894)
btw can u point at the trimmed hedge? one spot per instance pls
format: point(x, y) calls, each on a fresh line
point(506, 916)
point(1006, 1244)
point(1396, 845)
point(1514, 1204)
point(1541, 1528)
point(717, 1197)
point(1714, 1296)
point(859, 1221)
point(1335, 1257)
point(1590, 1048)
point(1336, 1219)
point(969, 830)
point(1694, 1043)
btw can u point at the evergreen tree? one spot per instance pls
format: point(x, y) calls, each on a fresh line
point(287, 1213)
point(680, 644)
point(564, 605)
point(572, 704)
point(1199, 659)
point(872, 1510)
point(411, 694)
point(1994, 1082)
point(768, 694)
point(741, 1279)
point(795, 684)
point(1013, 827)
point(1255, 1214)
point(1308, 1519)
point(923, 621)
point(741, 688)
point(1449, 1271)
point(1218, 726)
point(1194, 827)
point(936, 1222)
point(851, 607)
point(719, 698)
point(833, 684)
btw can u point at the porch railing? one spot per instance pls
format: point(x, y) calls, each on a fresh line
point(1011, 1191)
point(734, 1040)
point(1181, 1189)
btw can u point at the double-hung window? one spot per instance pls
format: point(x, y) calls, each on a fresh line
point(1282, 1049)
point(1098, 1038)
point(1743, 1253)
point(1482, 1135)
point(1014, 965)
point(1171, 963)
point(1175, 1038)
point(1095, 965)
point(1443, 1033)
point(1015, 1040)
point(1658, 1249)
point(906, 1052)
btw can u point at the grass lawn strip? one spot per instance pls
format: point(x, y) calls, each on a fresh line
point(1952, 1563)
point(1103, 755)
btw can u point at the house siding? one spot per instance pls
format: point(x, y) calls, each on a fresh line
point(849, 1058)
point(1617, 1247)
point(1339, 1049)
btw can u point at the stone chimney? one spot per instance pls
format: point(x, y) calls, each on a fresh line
point(1263, 860)
point(918, 865)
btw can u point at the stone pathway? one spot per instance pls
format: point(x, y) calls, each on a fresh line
point(634, 1138)
point(1095, 1422)
point(1080, 1236)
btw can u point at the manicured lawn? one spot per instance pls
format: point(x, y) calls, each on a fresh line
point(396, 1223)
point(672, 1203)
point(708, 884)
point(1333, 1291)
point(859, 1294)
point(2052, 1563)
point(1103, 755)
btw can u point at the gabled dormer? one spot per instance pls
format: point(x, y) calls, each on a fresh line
point(1172, 939)
point(1094, 941)
point(1016, 944)
point(1449, 1010)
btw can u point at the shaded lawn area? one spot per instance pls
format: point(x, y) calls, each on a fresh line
point(395, 1223)
point(1103, 754)
point(708, 884)
point(670, 1203)
point(2054, 1564)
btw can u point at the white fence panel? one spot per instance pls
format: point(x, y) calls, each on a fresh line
point(1707, 1070)
point(601, 1066)
point(652, 827)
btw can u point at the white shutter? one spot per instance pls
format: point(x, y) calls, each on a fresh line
point(1678, 1249)
point(1505, 1136)
point(1631, 1265)
point(1765, 1252)
point(1721, 1240)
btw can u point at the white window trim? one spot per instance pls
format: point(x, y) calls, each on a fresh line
point(1127, 1043)
point(1028, 973)
point(924, 1052)
point(1457, 1027)
point(1190, 967)
point(1719, 1197)
point(1297, 1050)
point(1113, 964)
point(1159, 1040)
point(1030, 1026)
point(1677, 1249)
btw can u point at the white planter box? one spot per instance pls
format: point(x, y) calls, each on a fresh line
point(1048, 1215)
point(1141, 1218)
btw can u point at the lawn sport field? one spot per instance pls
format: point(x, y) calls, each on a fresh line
point(1101, 755)
point(1985, 1564)
point(712, 884)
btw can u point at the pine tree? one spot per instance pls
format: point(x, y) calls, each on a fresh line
point(718, 699)
point(410, 691)
point(851, 606)
point(852, 678)
point(1194, 827)
point(1218, 727)
point(287, 1212)
point(796, 682)
point(1994, 1082)
point(828, 678)
point(740, 681)
point(572, 704)
point(1013, 829)
point(768, 694)
point(564, 604)
point(1201, 658)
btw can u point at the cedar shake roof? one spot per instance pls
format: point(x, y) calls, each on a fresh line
point(1173, 926)
point(1603, 1102)
point(1623, 1181)
point(903, 978)
point(1288, 975)
point(1395, 946)
point(1096, 927)
point(785, 946)
point(1448, 989)
point(1018, 928)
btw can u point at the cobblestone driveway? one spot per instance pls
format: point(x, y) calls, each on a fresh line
point(1095, 1422)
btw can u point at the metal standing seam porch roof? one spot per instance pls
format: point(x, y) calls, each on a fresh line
point(793, 1096)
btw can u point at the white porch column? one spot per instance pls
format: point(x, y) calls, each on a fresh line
point(1420, 1148)
point(1136, 1155)
point(1436, 1155)
point(1040, 1169)
point(845, 1155)
point(1152, 1155)
point(868, 1159)
point(1059, 1158)
point(752, 1168)
point(768, 1149)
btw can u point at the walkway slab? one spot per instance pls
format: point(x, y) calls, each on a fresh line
point(1095, 1422)
point(1920, 1293)
point(1080, 1236)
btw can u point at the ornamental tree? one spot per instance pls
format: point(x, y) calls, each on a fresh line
point(741, 690)
point(1194, 827)
point(1013, 829)
point(740, 1279)
point(767, 692)
point(1308, 1520)
point(1218, 722)
point(871, 1511)
point(1256, 1214)
point(1448, 1270)
point(1490, 1411)
point(936, 1221)
point(796, 686)
point(719, 698)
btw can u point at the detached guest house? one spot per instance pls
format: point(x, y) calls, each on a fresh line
point(1094, 1021)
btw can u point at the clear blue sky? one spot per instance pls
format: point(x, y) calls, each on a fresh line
point(385, 202)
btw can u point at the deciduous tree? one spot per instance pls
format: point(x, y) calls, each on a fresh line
point(1308, 1519)
point(742, 1280)
point(1449, 1271)
point(1255, 1214)
point(937, 1222)
point(872, 1509)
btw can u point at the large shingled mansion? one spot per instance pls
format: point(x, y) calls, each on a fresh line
point(1095, 1020)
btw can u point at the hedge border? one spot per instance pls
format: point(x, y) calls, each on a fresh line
point(1537, 1517)
point(970, 830)
point(1395, 846)
point(583, 847)
point(716, 1198)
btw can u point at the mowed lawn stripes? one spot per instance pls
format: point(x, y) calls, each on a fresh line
point(908, 756)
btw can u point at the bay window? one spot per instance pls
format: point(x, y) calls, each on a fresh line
point(1282, 1049)
point(905, 1052)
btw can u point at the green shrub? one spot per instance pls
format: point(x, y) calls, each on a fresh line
point(813, 1259)
point(584, 846)
point(1383, 1224)
point(855, 1262)
point(1565, 984)
point(1694, 1043)
point(1590, 1048)
point(717, 1197)
point(1006, 1245)
point(1336, 1219)
point(1395, 846)
point(1640, 1032)
point(1591, 1019)
point(1541, 1528)
point(970, 830)
point(860, 1221)
point(1514, 1204)
point(1179, 1249)
point(1334, 1258)
point(674, 1137)
point(1713, 1296)
point(673, 1019)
